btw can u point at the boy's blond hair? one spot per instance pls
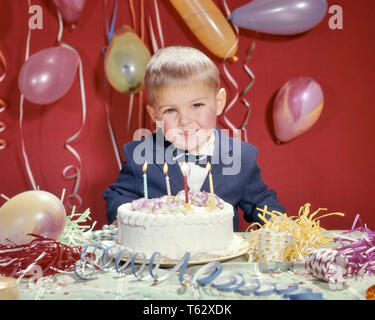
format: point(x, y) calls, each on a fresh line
point(179, 66)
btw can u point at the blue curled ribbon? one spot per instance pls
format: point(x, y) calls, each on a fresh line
point(211, 273)
point(236, 281)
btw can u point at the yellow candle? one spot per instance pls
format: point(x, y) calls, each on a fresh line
point(208, 167)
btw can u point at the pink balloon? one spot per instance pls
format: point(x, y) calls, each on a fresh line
point(48, 75)
point(297, 107)
point(38, 212)
point(70, 9)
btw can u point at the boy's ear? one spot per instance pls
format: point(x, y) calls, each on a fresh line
point(221, 99)
point(151, 112)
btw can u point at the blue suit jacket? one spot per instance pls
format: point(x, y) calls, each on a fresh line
point(244, 189)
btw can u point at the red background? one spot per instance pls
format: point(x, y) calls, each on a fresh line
point(330, 166)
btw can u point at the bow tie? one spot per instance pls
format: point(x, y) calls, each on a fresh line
point(198, 159)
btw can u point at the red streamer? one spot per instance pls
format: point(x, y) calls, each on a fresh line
point(52, 256)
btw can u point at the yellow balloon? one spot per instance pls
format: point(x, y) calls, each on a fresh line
point(126, 60)
point(209, 25)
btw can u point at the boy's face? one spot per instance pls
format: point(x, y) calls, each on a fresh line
point(187, 115)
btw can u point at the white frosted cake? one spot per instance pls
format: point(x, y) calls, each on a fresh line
point(170, 227)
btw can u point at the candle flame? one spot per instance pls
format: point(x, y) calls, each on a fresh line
point(208, 167)
point(165, 168)
point(144, 169)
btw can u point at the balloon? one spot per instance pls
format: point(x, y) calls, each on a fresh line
point(38, 212)
point(297, 107)
point(48, 74)
point(126, 60)
point(281, 17)
point(70, 9)
point(209, 25)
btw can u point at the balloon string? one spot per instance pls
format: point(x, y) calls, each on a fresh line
point(110, 33)
point(24, 154)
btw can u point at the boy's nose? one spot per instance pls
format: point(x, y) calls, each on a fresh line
point(185, 118)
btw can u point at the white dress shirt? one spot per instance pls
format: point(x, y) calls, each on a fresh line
point(196, 174)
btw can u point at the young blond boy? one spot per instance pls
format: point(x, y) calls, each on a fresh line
point(183, 88)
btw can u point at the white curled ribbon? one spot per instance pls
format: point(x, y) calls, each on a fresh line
point(154, 42)
point(73, 151)
point(23, 148)
point(234, 83)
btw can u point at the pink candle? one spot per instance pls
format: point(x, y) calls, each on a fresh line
point(185, 182)
point(165, 170)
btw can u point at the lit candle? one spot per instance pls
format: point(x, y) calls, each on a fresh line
point(165, 170)
point(211, 201)
point(184, 169)
point(208, 167)
point(145, 190)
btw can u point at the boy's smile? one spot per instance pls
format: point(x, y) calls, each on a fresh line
point(187, 114)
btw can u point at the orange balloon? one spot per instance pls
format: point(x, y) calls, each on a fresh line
point(38, 212)
point(209, 25)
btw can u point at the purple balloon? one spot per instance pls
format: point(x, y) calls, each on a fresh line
point(280, 17)
point(48, 75)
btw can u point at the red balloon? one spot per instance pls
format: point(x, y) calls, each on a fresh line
point(48, 75)
point(70, 9)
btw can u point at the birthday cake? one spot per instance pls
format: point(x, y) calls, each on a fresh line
point(202, 226)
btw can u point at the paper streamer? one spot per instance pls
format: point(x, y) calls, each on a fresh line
point(43, 255)
point(76, 169)
point(23, 148)
point(359, 252)
point(326, 264)
point(3, 105)
point(304, 228)
point(4, 64)
point(98, 257)
point(241, 96)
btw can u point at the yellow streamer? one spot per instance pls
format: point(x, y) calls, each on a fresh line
point(304, 228)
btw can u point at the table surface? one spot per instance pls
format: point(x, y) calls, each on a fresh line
point(111, 285)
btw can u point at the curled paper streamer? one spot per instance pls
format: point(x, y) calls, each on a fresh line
point(326, 264)
point(304, 228)
point(99, 257)
point(359, 252)
point(50, 255)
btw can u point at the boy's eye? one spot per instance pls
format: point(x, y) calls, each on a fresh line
point(197, 105)
point(169, 110)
